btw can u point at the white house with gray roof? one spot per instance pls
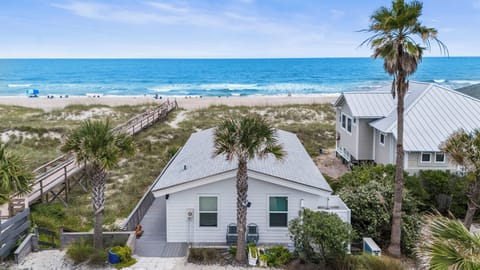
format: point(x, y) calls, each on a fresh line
point(200, 192)
point(366, 125)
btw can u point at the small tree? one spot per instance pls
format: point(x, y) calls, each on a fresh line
point(242, 140)
point(14, 177)
point(447, 244)
point(320, 236)
point(464, 149)
point(96, 142)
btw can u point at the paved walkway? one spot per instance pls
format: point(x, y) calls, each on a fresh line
point(153, 242)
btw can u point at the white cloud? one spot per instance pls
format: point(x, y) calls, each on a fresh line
point(167, 7)
point(111, 13)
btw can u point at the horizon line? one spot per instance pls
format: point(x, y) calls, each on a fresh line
point(211, 58)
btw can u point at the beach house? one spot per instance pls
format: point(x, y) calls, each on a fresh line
point(366, 125)
point(199, 193)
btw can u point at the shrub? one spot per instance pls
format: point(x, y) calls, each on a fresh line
point(202, 255)
point(98, 257)
point(371, 205)
point(320, 235)
point(277, 256)
point(80, 250)
point(369, 262)
point(125, 254)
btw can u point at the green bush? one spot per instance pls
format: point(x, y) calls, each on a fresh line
point(369, 262)
point(371, 205)
point(277, 256)
point(202, 255)
point(318, 236)
point(79, 251)
point(98, 258)
point(125, 254)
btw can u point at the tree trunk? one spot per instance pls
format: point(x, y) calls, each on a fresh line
point(473, 201)
point(10, 208)
point(242, 189)
point(98, 200)
point(396, 234)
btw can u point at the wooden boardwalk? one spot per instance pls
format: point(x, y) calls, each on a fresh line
point(57, 172)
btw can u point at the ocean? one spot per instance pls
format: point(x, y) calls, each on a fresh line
point(219, 77)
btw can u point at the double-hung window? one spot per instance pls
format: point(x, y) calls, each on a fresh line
point(278, 211)
point(426, 157)
point(439, 157)
point(349, 124)
point(344, 121)
point(208, 211)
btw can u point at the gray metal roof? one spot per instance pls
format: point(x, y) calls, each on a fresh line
point(372, 104)
point(432, 113)
point(197, 156)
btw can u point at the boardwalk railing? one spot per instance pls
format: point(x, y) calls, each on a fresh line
point(57, 171)
point(144, 204)
point(11, 230)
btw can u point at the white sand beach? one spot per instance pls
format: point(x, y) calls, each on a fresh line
point(188, 103)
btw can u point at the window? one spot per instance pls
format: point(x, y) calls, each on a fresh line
point(439, 157)
point(278, 211)
point(354, 120)
point(349, 125)
point(208, 211)
point(382, 138)
point(344, 121)
point(426, 157)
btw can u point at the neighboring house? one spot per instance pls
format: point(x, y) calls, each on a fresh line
point(200, 192)
point(366, 125)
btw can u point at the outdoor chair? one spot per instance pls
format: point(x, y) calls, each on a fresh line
point(232, 234)
point(252, 233)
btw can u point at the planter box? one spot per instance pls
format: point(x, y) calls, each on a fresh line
point(252, 261)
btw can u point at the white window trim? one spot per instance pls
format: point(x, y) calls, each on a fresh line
point(421, 157)
point(380, 138)
point(346, 123)
point(435, 158)
point(268, 211)
point(218, 212)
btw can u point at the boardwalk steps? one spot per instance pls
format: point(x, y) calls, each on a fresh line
point(56, 172)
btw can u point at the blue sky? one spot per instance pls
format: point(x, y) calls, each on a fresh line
point(221, 28)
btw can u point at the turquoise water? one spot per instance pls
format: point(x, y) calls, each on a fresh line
point(218, 77)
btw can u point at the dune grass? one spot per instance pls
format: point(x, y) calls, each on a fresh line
point(313, 124)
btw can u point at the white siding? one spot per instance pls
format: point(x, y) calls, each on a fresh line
point(258, 192)
point(365, 142)
point(383, 152)
point(348, 140)
point(414, 164)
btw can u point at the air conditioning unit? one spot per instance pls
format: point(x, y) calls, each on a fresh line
point(370, 247)
point(189, 213)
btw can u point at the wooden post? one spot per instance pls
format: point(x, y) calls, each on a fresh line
point(41, 191)
point(66, 182)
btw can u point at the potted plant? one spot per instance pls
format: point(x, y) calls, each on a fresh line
point(252, 255)
point(113, 256)
point(262, 259)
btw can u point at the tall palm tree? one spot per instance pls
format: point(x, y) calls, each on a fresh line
point(395, 34)
point(95, 142)
point(244, 139)
point(14, 177)
point(447, 244)
point(464, 149)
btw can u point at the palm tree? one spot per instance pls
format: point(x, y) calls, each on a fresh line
point(395, 31)
point(447, 244)
point(245, 139)
point(464, 149)
point(14, 177)
point(95, 142)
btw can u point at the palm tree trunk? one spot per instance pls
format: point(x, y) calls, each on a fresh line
point(396, 234)
point(98, 200)
point(473, 201)
point(242, 189)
